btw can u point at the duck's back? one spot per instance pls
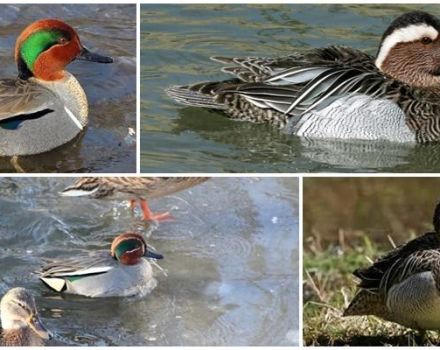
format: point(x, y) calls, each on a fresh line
point(148, 187)
point(380, 273)
point(308, 93)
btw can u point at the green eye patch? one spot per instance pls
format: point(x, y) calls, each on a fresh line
point(126, 246)
point(37, 43)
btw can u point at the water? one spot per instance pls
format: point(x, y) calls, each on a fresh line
point(176, 43)
point(111, 89)
point(231, 258)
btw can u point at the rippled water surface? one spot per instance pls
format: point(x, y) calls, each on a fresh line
point(231, 262)
point(176, 43)
point(111, 88)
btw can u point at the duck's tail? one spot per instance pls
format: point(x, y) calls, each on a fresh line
point(197, 95)
point(86, 186)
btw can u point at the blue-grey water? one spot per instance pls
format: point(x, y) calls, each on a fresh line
point(230, 257)
point(106, 145)
point(176, 43)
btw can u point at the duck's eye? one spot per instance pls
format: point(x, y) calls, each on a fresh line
point(21, 305)
point(62, 40)
point(426, 40)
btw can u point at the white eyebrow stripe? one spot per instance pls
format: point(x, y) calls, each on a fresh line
point(411, 33)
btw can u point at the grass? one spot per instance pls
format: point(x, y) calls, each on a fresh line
point(329, 287)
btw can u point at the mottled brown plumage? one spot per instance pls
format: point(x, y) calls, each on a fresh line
point(132, 188)
point(20, 321)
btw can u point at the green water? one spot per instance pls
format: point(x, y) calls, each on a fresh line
point(176, 43)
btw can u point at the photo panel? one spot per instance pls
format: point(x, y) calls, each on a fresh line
point(289, 88)
point(370, 261)
point(68, 88)
point(140, 261)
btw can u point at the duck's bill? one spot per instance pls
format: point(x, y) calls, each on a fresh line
point(153, 255)
point(38, 328)
point(87, 55)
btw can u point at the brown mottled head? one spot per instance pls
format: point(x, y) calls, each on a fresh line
point(46, 47)
point(410, 50)
point(18, 310)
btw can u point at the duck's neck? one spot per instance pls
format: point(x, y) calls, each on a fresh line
point(71, 93)
point(405, 72)
point(20, 337)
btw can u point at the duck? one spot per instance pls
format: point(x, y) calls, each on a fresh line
point(21, 324)
point(139, 188)
point(337, 92)
point(124, 272)
point(45, 106)
point(403, 286)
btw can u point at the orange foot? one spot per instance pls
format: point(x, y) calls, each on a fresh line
point(150, 216)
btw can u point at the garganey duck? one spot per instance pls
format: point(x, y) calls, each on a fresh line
point(124, 272)
point(338, 92)
point(21, 325)
point(140, 188)
point(404, 285)
point(45, 107)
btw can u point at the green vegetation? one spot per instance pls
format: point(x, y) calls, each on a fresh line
point(328, 288)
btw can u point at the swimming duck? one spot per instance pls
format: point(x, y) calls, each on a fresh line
point(45, 107)
point(404, 285)
point(21, 325)
point(123, 272)
point(141, 188)
point(338, 92)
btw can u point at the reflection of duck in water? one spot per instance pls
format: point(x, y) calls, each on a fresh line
point(46, 106)
point(338, 92)
point(21, 325)
point(133, 189)
point(124, 272)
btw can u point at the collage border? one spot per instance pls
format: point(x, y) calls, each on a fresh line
point(299, 176)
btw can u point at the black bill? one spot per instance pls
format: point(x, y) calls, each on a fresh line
point(87, 55)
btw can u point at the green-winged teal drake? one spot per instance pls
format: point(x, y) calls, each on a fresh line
point(125, 271)
point(45, 107)
point(404, 285)
point(21, 325)
point(338, 92)
point(134, 189)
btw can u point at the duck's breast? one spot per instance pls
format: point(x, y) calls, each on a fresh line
point(415, 302)
point(48, 115)
point(355, 117)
